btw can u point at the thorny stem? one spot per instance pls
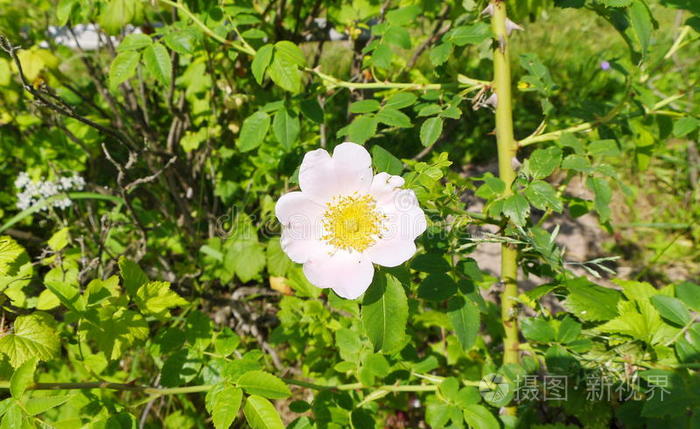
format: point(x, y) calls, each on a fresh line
point(507, 150)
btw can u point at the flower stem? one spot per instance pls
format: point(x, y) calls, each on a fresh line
point(242, 47)
point(507, 149)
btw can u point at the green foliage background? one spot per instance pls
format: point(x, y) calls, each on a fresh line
point(161, 297)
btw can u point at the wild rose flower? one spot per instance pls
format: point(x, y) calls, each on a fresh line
point(345, 218)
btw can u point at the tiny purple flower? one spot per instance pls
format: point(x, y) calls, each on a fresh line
point(605, 65)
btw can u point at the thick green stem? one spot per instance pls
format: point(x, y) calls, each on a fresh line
point(507, 149)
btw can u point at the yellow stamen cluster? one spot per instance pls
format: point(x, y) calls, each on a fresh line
point(352, 222)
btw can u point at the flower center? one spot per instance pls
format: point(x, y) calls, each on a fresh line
point(352, 222)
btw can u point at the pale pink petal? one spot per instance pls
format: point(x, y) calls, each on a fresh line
point(297, 207)
point(384, 187)
point(405, 219)
point(391, 252)
point(299, 249)
point(317, 176)
point(400, 200)
point(349, 274)
point(302, 226)
point(353, 168)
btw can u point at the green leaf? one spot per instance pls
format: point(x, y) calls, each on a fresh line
point(132, 275)
point(439, 54)
point(253, 131)
point(437, 287)
point(114, 330)
point(385, 313)
point(577, 163)
point(14, 417)
point(671, 309)
point(123, 68)
point(438, 413)
point(543, 162)
point(689, 293)
point(365, 106)
point(543, 196)
point(393, 118)
point(560, 361)
point(430, 131)
point(639, 320)
point(117, 14)
point(263, 384)
point(22, 378)
point(246, 258)
point(156, 299)
point(261, 414)
point(285, 74)
point(36, 406)
point(384, 161)
point(465, 318)
point(517, 209)
point(63, 282)
point(286, 127)
point(382, 55)
point(226, 342)
point(277, 261)
point(349, 344)
point(642, 23)
point(377, 365)
point(430, 110)
point(183, 40)
point(493, 187)
point(362, 129)
point(469, 34)
point(430, 263)
point(603, 148)
point(312, 110)
point(397, 36)
point(180, 367)
point(684, 126)
point(59, 239)
point(290, 52)
point(590, 302)
point(10, 252)
point(617, 3)
point(669, 394)
point(134, 42)
point(603, 196)
point(451, 112)
point(64, 11)
point(400, 100)
point(478, 416)
point(261, 62)
point(536, 329)
point(404, 15)
point(569, 330)
point(223, 403)
point(157, 62)
point(31, 336)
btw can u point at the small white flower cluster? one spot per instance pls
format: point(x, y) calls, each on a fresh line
point(31, 192)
